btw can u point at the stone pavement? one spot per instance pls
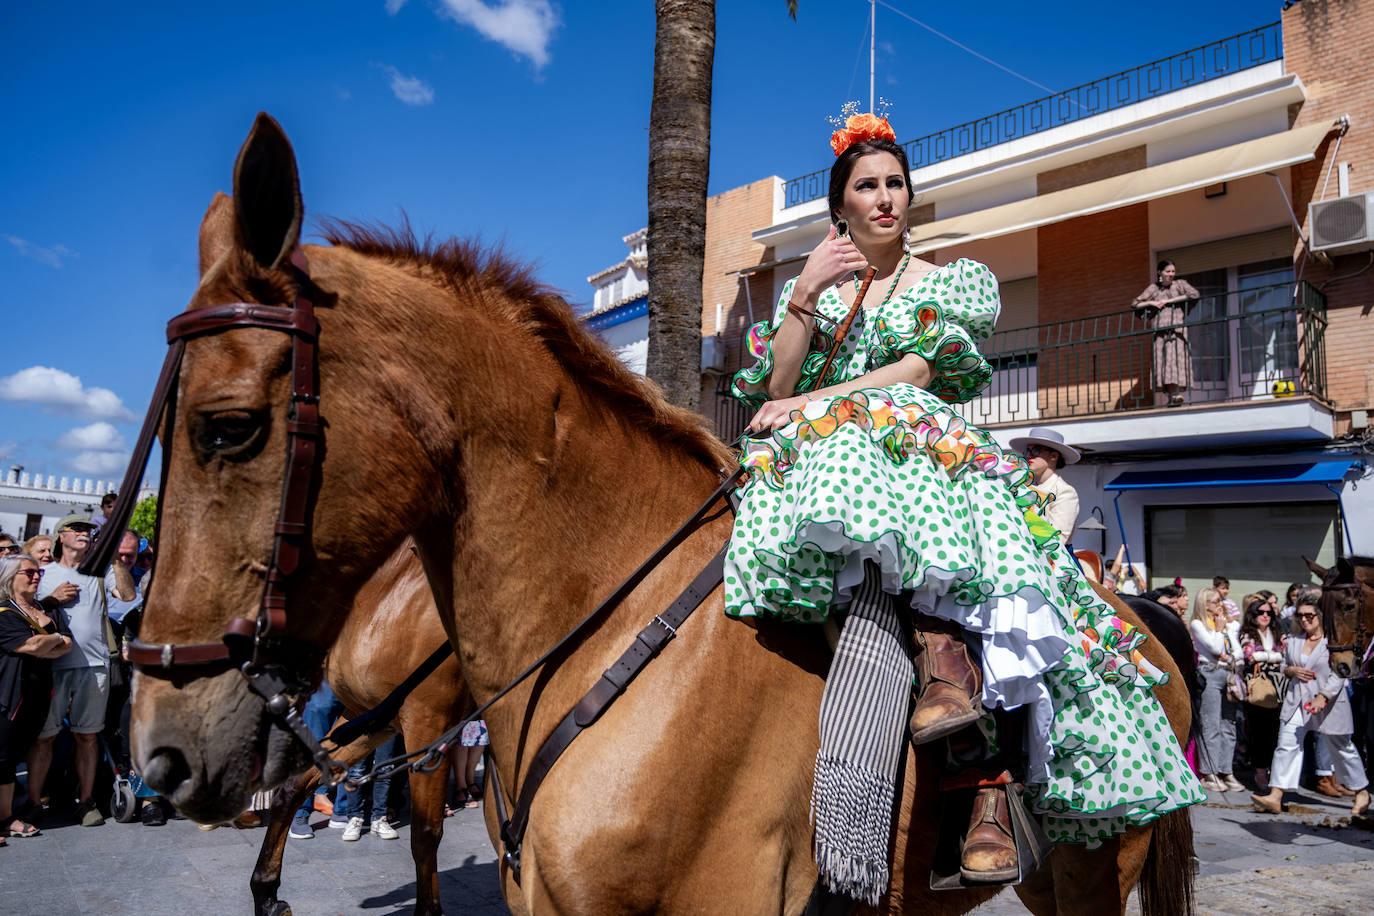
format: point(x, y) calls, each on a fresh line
point(1307, 861)
point(132, 870)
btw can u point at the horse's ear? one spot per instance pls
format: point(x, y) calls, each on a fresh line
point(216, 231)
point(1319, 571)
point(267, 194)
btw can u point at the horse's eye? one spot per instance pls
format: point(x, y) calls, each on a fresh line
point(234, 435)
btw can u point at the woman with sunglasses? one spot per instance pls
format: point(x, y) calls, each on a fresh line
point(1314, 700)
point(1215, 637)
point(1261, 642)
point(29, 641)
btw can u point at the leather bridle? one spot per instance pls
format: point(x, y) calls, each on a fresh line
point(280, 668)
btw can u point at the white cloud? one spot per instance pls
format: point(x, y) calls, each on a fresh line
point(98, 436)
point(100, 464)
point(524, 26)
point(50, 256)
point(394, 6)
point(61, 392)
point(410, 89)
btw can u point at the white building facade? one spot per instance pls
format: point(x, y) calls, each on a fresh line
point(31, 504)
point(620, 305)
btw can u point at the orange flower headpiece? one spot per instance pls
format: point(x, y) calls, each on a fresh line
point(854, 126)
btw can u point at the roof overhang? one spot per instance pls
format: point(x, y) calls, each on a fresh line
point(1313, 472)
point(1229, 163)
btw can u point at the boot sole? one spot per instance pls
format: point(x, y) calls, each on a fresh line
point(944, 728)
point(1003, 876)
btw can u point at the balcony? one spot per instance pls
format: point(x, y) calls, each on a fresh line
point(1139, 84)
point(1257, 355)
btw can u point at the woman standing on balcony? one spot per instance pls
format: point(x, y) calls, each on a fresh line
point(872, 506)
point(1164, 305)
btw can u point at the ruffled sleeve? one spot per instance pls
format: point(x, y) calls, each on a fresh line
point(951, 311)
point(750, 384)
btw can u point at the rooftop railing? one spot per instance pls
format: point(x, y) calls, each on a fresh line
point(1170, 74)
point(1257, 344)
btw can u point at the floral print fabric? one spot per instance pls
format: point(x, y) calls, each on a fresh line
point(893, 476)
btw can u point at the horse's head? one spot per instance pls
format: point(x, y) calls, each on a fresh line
point(200, 735)
point(1347, 609)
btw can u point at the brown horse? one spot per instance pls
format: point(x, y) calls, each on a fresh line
point(391, 629)
point(1347, 607)
point(468, 408)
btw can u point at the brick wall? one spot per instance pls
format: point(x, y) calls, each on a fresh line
point(1071, 176)
point(731, 219)
point(1326, 44)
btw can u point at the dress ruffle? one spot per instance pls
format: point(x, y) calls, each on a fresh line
point(894, 476)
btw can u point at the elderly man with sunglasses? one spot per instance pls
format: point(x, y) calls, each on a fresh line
point(81, 678)
point(1045, 453)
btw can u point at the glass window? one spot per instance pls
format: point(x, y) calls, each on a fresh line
point(1268, 341)
point(1256, 546)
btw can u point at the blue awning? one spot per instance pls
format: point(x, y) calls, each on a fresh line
point(1318, 472)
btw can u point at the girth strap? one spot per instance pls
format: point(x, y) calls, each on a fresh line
point(645, 647)
point(379, 716)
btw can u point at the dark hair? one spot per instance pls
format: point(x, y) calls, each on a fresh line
point(1220, 580)
point(1171, 591)
point(1292, 592)
point(1250, 627)
point(1163, 263)
point(108, 500)
point(1308, 597)
point(844, 164)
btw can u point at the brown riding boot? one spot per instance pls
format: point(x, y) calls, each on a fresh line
point(949, 683)
point(990, 848)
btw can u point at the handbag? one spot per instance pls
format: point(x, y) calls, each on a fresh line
point(1261, 692)
point(1235, 687)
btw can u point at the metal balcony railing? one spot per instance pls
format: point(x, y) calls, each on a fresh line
point(1170, 74)
point(1255, 344)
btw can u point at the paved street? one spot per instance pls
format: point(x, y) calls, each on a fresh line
point(1250, 864)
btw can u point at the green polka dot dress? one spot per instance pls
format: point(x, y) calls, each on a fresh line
point(894, 476)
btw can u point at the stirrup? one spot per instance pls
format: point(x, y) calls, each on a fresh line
point(1032, 846)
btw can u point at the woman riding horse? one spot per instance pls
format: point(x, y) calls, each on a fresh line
point(872, 504)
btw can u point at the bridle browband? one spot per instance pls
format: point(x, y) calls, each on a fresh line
point(260, 648)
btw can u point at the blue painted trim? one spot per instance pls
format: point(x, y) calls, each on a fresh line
point(626, 311)
point(1318, 472)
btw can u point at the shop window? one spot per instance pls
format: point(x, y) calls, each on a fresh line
point(1255, 545)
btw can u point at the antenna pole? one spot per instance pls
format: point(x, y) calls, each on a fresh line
point(872, 44)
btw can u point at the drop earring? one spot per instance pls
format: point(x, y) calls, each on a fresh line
point(906, 241)
point(842, 228)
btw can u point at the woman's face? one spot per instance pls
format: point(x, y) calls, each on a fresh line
point(1216, 609)
point(1181, 603)
point(1166, 276)
point(1264, 618)
point(876, 200)
point(1309, 620)
point(42, 551)
point(25, 584)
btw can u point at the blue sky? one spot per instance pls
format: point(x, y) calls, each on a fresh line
point(523, 122)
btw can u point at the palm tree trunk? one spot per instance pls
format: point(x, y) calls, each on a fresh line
point(679, 160)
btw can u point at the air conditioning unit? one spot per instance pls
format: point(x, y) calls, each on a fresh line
point(1344, 224)
point(712, 355)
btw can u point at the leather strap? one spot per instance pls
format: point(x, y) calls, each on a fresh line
point(379, 716)
point(845, 325)
point(645, 647)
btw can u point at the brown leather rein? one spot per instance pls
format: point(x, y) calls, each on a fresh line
point(260, 648)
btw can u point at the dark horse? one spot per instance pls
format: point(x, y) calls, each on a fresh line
point(468, 408)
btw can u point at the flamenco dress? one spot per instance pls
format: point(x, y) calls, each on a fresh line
point(895, 478)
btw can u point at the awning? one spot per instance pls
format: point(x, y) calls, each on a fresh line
point(1227, 164)
point(1318, 472)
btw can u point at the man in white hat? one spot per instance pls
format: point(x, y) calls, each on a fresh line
point(1045, 452)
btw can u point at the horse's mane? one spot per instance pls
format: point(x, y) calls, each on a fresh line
point(464, 265)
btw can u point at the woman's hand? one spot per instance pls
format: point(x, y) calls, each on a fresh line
point(1316, 704)
point(776, 414)
point(1300, 673)
point(830, 261)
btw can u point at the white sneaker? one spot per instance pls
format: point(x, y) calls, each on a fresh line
point(354, 830)
point(1232, 783)
point(383, 829)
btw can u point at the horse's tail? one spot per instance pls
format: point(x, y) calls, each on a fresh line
point(1166, 881)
